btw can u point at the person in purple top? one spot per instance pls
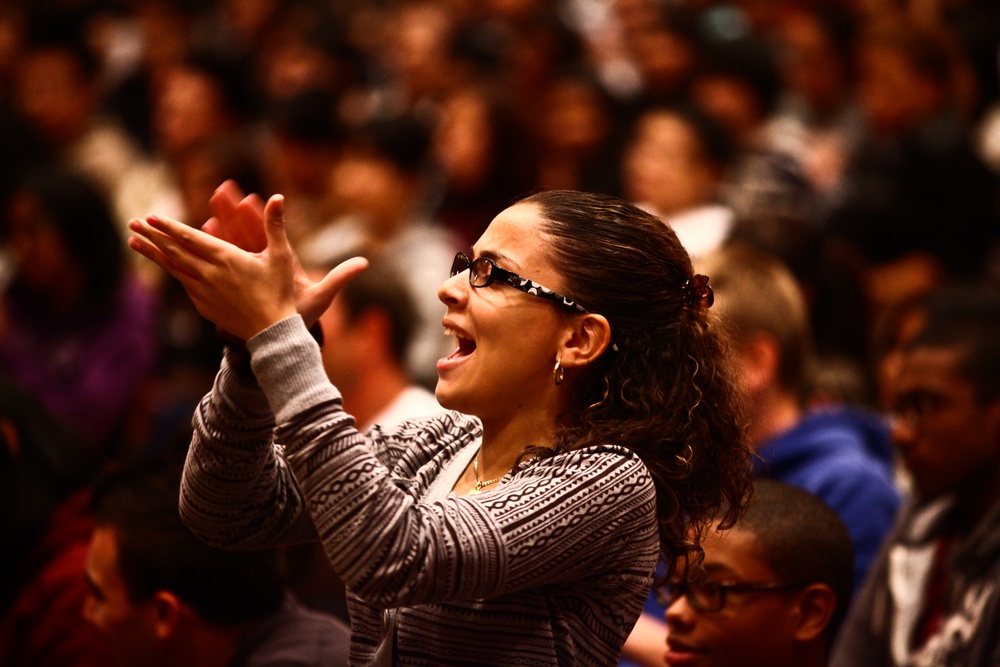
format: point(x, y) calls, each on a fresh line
point(75, 330)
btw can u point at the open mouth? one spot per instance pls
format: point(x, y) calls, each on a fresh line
point(464, 345)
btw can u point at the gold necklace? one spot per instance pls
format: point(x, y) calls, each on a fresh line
point(475, 471)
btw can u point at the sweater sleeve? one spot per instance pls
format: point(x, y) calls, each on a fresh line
point(565, 518)
point(237, 490)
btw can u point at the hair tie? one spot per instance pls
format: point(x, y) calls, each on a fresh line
point(697, 293)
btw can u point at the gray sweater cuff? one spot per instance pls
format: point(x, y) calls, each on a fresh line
point(287, 362)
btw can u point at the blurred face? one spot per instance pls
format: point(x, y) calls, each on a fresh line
point(894, 96)
point(43, 262)
point(810, 63)
point(574, 118)
point(732, 102)
point(506, 340)
point(948, 440)
point(463, 141)
point(365, 184)
point(341, 361)
point(664, 165)
point(189, 111)
point(108, 606)
point(752, 629)
point(54, 96)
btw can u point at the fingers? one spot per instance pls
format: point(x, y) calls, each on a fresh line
point(247, 225)
point(237, 218)
point(225, 199)
point(152, 253)
point(223, 205)
point(185, 248)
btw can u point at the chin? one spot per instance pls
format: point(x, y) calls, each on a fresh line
point(446, 397)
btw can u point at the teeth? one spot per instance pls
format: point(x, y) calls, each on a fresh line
point(448, 331)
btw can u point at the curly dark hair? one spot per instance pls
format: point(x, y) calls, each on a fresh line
point(667, 393)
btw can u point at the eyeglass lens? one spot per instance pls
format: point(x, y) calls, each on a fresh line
point(480, 270)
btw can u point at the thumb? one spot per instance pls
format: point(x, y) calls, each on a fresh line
point(274, 224)
point(318, 296)
point(341, 274)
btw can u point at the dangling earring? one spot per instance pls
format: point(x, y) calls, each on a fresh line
point(558, 373)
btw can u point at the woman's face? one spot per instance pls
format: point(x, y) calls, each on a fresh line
point(506, 340)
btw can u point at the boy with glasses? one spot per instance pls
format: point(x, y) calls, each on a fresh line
point(774, 589)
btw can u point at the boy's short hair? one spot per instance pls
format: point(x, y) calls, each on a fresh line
point(156, 551)
point(802, 540)
point(757, 293)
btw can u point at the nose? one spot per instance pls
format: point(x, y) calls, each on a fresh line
point(902, 431)
point(679, 614)
point(454, 291)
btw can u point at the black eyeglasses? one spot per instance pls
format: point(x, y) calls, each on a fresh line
point(710, 596)
point(484, 271)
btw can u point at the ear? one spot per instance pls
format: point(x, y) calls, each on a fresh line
point(816, 604)
point(760, 357)
point(589, 336)
point(165, 613)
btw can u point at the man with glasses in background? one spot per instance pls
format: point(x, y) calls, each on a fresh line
point(773, 590)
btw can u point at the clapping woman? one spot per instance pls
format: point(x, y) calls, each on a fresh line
point(593, 428)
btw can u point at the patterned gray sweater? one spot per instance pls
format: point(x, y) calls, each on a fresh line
point(551, 567)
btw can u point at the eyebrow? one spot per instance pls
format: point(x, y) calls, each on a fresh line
point(497, 257)
point(718, 568)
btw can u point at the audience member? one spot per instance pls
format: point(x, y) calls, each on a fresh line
point(381, 188)
point(44, 532)
point(301, 144)
point(578, 143)
point(818, 122)
point(371, 325)
point(870, 143)
point(165, 598)
point(932, 597)
point(774, 591)
point(673, 168)
point(830, 277)
point(194, 104)
point(483, 160)
point(79, 331)
point(58, 95)
point(914, 199)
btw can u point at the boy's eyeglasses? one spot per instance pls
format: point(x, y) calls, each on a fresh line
point(710, 596)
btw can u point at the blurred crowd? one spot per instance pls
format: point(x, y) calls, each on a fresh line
point(856, 141)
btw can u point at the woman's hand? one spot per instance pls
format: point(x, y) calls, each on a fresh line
point(241, 291)
point(239, 219)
